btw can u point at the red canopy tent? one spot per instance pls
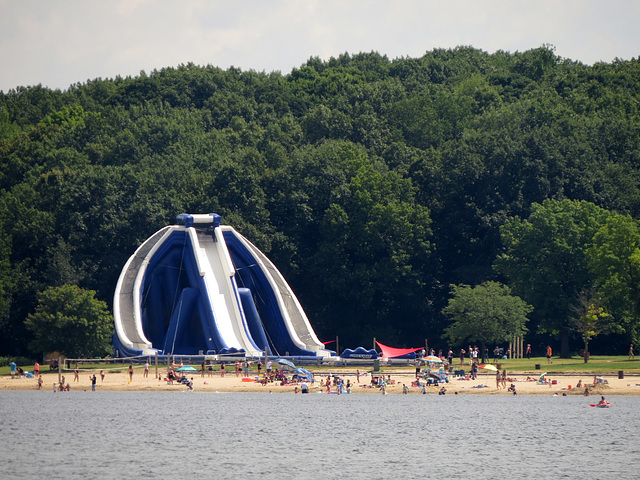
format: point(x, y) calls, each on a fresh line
point(390, 352)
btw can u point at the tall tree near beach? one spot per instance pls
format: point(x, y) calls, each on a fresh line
point(485, 313)
point(591, 319)
point(614, 260)
point(71, 321)
point(545, 260)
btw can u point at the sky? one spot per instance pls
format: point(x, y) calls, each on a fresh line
point(64, 42)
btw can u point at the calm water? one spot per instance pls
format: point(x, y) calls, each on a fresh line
point(128, 435)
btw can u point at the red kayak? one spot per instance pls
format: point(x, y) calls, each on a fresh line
point(601, 405)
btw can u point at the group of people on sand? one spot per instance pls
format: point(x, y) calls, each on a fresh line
point(501, 379)
point(239, 368)
point(341, 386)
point(178, 377)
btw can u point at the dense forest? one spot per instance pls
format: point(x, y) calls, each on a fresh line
point(375, 185)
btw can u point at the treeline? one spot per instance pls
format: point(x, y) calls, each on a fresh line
point(373, 184)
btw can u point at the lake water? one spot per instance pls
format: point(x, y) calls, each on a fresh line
point(129, 435)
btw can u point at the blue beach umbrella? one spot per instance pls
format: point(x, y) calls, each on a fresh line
point(186, 369)
point(284, 361)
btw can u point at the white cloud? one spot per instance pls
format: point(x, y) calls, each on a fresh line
point(64, 42)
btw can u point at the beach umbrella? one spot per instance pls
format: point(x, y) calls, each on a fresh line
point(541, 377)
point(284, 361)
point(486, 366)
point(432, 359)
point(186, 369)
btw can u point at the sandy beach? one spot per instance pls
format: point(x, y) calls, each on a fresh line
point(484, 385)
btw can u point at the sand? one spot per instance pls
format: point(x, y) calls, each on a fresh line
point(630, 385)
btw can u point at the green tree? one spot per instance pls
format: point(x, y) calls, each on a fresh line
point(591, 319)
point(614, 260)
point(485, 313)
point(72, 321)
point(545, 260)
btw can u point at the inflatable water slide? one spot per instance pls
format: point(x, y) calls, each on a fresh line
point(201, 288)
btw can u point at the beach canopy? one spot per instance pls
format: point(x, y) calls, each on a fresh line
point(303, 372)
point(390, 352)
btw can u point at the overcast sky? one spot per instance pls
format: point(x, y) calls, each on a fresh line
point(62, 42)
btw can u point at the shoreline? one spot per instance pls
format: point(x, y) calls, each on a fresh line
point(614, 386)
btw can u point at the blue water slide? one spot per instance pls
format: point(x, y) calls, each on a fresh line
point(253, 278)
point(174, 301)
point(200, 287)
point(256, 330)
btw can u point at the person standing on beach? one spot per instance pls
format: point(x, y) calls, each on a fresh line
point(222, 369)
point(498, 379)
point(93, 382)
point(40, 382)
point(146, 369)
point(475, 353)
point(462, 352)
point(202, 369)
point(36, 369)
point(130, 373)
point(76, 374)
point(549, 354)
